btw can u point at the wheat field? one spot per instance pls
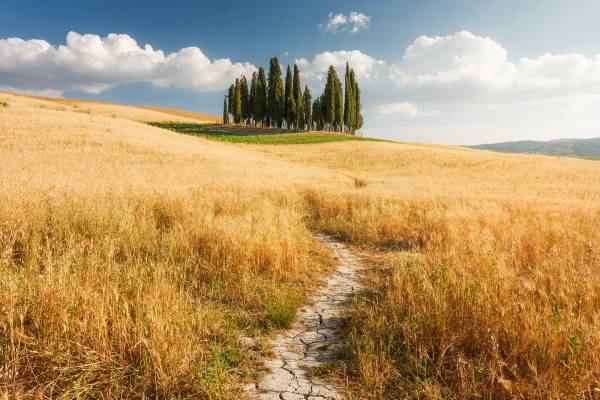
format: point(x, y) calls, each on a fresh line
point(133, 259)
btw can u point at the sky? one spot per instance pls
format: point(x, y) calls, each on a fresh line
point(456, 72)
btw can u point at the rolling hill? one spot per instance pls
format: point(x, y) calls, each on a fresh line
point(135, 261)
point(582, 148)
point(133, 112)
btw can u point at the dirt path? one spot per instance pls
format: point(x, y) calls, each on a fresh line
point(312, 339)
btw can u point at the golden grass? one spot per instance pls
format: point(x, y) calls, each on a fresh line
point(472, 299)
point(132, 258)
point(486, 279)
point(198, 117)
point(136, 113)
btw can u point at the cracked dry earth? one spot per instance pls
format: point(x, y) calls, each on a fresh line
point(312, 339)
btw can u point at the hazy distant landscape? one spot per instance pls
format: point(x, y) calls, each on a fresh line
point(582, 148)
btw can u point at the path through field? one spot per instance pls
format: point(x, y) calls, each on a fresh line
point(312, 339)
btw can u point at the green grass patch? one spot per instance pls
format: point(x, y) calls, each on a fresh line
point(281, 310)
point(250, 135)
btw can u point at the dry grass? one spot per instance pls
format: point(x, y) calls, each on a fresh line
point(136, 113)
point(197, 117)
point(132, 258)
point(471, 301)
point(485, 275)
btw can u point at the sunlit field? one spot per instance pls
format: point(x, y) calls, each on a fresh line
point(484, 281)
point(133, 260)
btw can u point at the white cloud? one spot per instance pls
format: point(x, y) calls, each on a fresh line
point(403, 108)
point(359, 21)
point(473, 88)
point(93, 64)
point(365, 66)
point(465, 67)
point(352, 23)
point(190, 68)
point(453, 67)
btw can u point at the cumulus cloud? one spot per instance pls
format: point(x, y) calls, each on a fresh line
point(466, 67)
point(365, 66)
point(460, 59)
point(93, 64)
point(403, 108)
point(352, 23)
point(466, 79)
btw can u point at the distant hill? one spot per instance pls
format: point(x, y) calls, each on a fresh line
point(582, 148)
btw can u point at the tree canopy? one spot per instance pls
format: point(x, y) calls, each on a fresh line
point(273, 102)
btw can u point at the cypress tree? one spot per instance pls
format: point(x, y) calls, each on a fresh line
point(245, 99)
point(319, 113)
point(307, 108)
point(230, 96)
point(289, 109)
point(349, 107)
point(293, 110)
point(297, 92)
point(358, 123)
point(237, 102)
point(297, 87)
point(352, 107)
point(260, 100)
point(329, 99)
point(275, 98)
point(252, 99)
point(339, 106)
point(225, 112)
point(316, 114)
point(323, 112)
point(300, 116)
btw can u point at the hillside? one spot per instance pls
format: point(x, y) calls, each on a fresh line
point(134, 259)
point(582, 148)
point(136, 113)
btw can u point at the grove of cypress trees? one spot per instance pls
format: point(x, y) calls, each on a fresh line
point(307, 108)
point(275, 97)
point(270, 102)
point(225, 112)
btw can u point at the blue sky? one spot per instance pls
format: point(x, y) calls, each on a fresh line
point(525, 69)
